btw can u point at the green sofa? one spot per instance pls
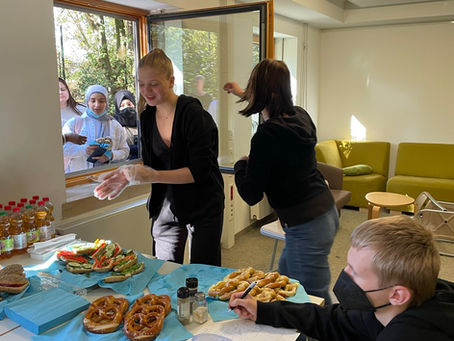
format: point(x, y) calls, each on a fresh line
point(423, 167)
point(344, 153)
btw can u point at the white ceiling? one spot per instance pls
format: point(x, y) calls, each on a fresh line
point(328, 13)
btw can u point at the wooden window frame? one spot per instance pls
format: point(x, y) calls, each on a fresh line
point(109, 8)
point(142, 30)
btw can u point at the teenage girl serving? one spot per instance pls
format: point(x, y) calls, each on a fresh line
point(179, 151)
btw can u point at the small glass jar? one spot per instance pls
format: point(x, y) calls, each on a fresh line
point(184, 307)
point(200, 308)
point(192, 284)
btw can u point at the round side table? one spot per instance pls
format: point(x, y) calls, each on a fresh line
point(376, 200)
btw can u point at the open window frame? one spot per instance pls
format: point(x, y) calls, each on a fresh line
point(144, 41)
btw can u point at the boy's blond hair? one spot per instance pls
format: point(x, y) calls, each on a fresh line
point(405, 254)
point(156, 59)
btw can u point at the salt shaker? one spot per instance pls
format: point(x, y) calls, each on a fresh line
point(192, 284)
point(200, 308)
point(184, 312)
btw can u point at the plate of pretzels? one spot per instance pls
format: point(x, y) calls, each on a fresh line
point(271, 286)
point(143, 321)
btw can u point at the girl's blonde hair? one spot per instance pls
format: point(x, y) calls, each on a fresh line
point(158, 60)
point(405, 254)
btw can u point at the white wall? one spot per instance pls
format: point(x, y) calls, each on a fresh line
point(397, 80)
point(30, 137)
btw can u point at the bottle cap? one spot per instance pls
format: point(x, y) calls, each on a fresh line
point(29, 206)
point(20, 204)
point(32, 201)
point(2, 213)
point(7, 208)
point(35, 197)
point(183, 292)
point(192, 282)
point(200, 295)
point(46, 199)
point(1, 206)
point(24, 200)
point(16, 209)
point(12, 203)
point(40, 203)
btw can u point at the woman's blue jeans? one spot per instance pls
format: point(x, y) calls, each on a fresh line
point(306, 250)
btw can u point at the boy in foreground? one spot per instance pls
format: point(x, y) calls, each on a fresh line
point(389, 290)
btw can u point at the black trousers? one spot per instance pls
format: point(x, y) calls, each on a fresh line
point(169, 237)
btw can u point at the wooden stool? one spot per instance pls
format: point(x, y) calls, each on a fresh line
point(273, 230)
point(376, 200)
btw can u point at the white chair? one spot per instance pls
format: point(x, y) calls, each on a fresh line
point(438, 217)
point(273, 230)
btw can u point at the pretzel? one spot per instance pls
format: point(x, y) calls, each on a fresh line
point(289, 290)
point(145, 318)
point(143, 326)
point(270, 286)
point(153, 299)
point(105, 314)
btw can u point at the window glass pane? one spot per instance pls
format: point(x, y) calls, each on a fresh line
point(95, 48)
point(207, 52)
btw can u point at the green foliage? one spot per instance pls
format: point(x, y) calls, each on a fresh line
point(97, 50)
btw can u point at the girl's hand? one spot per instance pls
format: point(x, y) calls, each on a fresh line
point(234, 88)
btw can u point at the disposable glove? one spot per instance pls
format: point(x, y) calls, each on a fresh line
point(115, 182)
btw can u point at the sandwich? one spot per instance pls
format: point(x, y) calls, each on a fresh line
point(13, 283)
point(103, 264)
point(125, 262)
point(79, 268)
point(126, 273)
point(12, 269)
point(83, 249)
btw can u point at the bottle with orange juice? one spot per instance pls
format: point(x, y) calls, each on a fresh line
point(42, 222)
point(18, 231)
point(50, 208)
point(6, 240)
point(30, 225)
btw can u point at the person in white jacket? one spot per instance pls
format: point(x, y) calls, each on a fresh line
point(94, 123)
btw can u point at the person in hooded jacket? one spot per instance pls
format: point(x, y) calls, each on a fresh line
point(282, 165)
point(388, 291)
point(179, 151)
point(94, 123)
point(126, 115)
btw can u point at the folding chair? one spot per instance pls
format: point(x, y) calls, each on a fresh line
point(437, 216)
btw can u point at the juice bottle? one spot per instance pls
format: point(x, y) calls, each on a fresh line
point(12, 203)
point(8, 210)
point(6, 240)
point(33, 203)
point(42, 222)
point(30, 225)
point(18, 231)
point(50, 208)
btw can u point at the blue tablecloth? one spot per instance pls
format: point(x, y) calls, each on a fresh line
point(207, 275)
point(172, 330)
point(131, 286)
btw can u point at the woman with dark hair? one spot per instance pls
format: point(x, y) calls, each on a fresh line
point(282, 165)
point(69, 108)
point(126, 115)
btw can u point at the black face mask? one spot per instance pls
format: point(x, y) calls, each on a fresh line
point(127, 117)
point(352, 297)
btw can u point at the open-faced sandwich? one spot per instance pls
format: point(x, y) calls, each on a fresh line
point(69, 256)
point(83, 249)
point(79, 268)
point(128, 260)
point(126, 273)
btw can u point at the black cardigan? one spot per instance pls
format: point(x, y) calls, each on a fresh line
point(282, 164)
point(194, 144)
